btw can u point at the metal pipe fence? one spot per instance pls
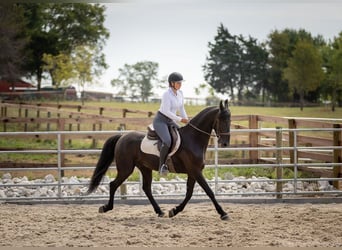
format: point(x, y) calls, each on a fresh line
point(242, 187)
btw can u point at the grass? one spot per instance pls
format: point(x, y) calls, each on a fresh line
point(315, 112)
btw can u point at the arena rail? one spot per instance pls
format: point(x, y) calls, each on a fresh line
point(229, 187)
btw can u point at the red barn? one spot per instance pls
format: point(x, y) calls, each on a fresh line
point(18, 85)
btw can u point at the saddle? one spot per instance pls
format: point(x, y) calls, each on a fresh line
point(152, 135)
point(151, 143)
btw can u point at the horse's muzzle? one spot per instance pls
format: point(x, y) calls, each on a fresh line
point(224, 141)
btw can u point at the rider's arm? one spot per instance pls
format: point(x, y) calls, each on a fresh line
point(168, 108)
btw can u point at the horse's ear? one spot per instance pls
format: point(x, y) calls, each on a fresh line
point(221, 105)
point(226, 103)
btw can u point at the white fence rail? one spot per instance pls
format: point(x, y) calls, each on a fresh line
point(73, 189)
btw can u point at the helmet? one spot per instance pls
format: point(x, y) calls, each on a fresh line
point(175, 77)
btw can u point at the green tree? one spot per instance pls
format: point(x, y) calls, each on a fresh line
point(60, 68)
point(137, 80)
point(280, 47)
point(83, 59)
point(56, 28)
point(40, 41)
point(332, 85)
point(336, 73)
point(254, 68)
point(221, 69)
point(280, 51)
point(304, 71)
point(12, 41)
point(234, 63)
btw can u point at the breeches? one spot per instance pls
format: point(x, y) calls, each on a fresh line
point(161, 125)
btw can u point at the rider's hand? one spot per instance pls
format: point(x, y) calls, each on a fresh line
point(184, 120)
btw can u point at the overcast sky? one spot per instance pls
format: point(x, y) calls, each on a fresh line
point(175, 33)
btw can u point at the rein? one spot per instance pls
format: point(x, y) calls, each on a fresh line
point(204, 132)
point(200, 130)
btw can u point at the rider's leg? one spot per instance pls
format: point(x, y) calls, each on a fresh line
point(164, 150)
point(160, 124)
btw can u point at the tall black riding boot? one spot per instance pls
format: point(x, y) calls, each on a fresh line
point(163, 169)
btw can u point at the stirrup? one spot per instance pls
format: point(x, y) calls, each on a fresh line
point(163, 170)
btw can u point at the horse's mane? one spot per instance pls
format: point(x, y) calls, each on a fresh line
point(203, 113)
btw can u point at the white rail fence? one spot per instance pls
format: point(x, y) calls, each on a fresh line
point(225, 186)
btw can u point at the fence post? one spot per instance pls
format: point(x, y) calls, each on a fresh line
point(5, 126)
point(48, 123)
point(122, 127)
point(4, 114)
point(61, 124)
point(337, 170)
point(38, 115)
point(279, 157)
point(19, 111)
point(3, 111)
point(78, 123)
point(291, 125)
point(253, 138)
point(26, 116)
point(59, 106)
point(94, 140)
point(70, 129)
point(101, 113)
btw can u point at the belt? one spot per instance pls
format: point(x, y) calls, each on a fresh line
point(160, 113)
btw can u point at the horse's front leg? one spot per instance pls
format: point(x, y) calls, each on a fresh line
point(203, 183)
point(189, 190)
point(147, 182)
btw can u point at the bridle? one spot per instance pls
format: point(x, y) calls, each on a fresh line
point(217, 128)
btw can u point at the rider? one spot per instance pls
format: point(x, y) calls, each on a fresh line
point(172, 101)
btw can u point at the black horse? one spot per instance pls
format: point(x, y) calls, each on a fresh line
point(189, 158)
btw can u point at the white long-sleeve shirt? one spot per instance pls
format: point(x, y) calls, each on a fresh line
point(172, 103)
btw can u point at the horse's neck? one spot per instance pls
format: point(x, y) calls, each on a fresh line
point(205, 119)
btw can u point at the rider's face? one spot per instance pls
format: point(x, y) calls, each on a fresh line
point(177, 85)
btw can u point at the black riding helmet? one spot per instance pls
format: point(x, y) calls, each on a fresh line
point(175, 77)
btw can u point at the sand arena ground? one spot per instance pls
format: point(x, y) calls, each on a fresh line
point(302, 225)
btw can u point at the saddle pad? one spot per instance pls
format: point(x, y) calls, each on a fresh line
point(151, 146)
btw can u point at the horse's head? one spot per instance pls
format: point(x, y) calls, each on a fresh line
point(222, 125)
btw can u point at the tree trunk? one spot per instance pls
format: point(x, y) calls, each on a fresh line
point(301, 100)
point(39, 78)
point(232, 94)
point(333, 100)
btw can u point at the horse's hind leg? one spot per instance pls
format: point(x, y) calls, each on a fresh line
point(147, 182)
point(113, 186)
point(189, 190)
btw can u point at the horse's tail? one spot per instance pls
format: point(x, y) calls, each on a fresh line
point(106, 159)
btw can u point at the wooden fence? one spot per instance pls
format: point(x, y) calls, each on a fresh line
point(43, 117)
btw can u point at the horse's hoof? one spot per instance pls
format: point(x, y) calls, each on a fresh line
point(161, 214)
point(104, 209)
point(172, 213)
point(225, 217)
